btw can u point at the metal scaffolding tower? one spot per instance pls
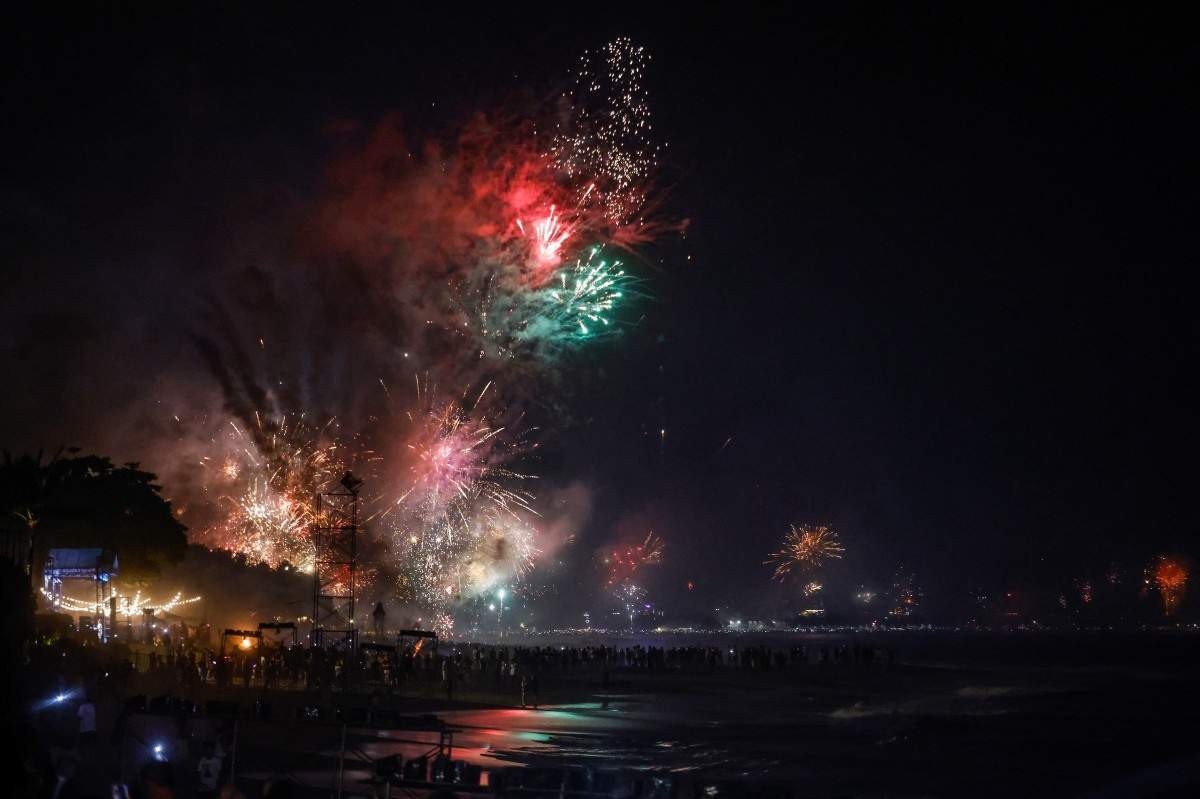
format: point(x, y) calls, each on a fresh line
point(335, 539)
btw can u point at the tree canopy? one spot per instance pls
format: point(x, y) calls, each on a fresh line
point(86, 501)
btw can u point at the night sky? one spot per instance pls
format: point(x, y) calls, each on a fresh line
point(933, 288)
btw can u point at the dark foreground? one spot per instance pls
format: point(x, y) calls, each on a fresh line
point(954, 714)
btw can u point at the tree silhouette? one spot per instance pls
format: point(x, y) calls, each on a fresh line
point(85, 501)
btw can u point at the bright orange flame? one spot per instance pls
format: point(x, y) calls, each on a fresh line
point(245, 643)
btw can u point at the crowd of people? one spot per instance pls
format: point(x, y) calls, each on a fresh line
point(496, 667)
point(502, 669)
point(74, 676)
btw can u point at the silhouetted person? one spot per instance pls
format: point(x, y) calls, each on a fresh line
point(378, 616)
point(208, 770)
point(87, 725)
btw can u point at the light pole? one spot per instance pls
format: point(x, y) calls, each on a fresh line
point(500, 614)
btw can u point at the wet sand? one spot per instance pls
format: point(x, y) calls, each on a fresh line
point(958, 714)
point(983, 715)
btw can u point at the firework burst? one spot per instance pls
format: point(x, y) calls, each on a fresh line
point(464, 555)
point(459, 523)
point(1170, 578)
point(268, 483)
point(271, 527)
point(456, 454)
point(624, 562)
point(503, 550)
point(805, 548)
point(906, 593)
point(578, 304)
point(546, 239)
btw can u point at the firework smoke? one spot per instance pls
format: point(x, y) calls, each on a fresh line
point(482, 264)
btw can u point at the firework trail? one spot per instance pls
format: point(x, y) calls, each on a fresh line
point(805, 548)
point(546, 238)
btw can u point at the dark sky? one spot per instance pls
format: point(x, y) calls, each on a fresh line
point(936, 292)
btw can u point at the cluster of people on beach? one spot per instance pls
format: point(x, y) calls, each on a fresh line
point(76, 676)
point(492, 667)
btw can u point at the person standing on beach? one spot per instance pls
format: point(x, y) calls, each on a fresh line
point(87, 724)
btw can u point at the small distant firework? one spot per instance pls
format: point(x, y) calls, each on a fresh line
point(1170, 578)
point(630, 593)
point(1083, 587)
point(632, 598)
point(1113, 575)
point(906, 594)
point(624, 562)
point(812, 587)
point(805, 547)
